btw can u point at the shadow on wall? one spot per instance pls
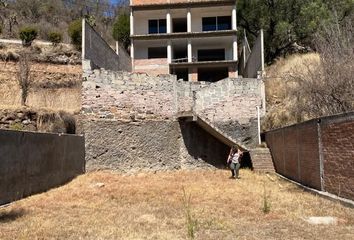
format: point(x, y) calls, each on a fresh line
point(201, 145)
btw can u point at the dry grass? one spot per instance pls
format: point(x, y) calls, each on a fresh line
point(150, 206)
point(279, 95)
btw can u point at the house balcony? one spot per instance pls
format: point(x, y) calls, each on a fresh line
point(183, 23)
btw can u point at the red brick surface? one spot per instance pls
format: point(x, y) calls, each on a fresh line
point(152, 67)
point(338, 155)
point(295, 153)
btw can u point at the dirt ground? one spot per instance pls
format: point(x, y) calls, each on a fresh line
point(107, 205)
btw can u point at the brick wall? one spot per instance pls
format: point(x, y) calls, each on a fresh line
point(123, 95)
point(295, 153)
point(153, 67)
point(111, 97)
point(337, 138)
point(318, 153)
point(231, 106)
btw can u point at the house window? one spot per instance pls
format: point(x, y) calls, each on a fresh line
point(211, 55)
point(216, 23)
point(157, 26)
point(157, 52)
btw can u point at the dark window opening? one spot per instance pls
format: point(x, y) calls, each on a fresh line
point(217, 23)
point(180, 55)
point(182, 73)
point(211, 54)
point(209, 24)
point(157, 52)
point(224, 23)
point(179, 25)
point(212, 74)
point(157, 26)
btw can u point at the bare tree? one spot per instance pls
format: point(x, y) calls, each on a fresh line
point(319, 86)
point(23, 76)
point(329, 87)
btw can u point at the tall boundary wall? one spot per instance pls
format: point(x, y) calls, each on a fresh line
point(100, 54)
point(115, 101)
point(317, 153)
point(36, 162)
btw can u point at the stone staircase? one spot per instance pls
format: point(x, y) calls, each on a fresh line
point(261, 157)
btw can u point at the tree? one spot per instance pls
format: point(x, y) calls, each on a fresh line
point(55, 38)
point(286, 22)
point(121, 30)
point(23, 76)
point(75, 32)
point(27, 35)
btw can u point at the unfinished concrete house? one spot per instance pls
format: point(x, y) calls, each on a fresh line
point(178, 101)
point(193, 39)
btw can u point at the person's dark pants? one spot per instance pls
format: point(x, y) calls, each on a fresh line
point(235, 167)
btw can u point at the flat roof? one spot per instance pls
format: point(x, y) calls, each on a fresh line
point(165, 4)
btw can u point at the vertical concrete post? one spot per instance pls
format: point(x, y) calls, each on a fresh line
point(83, 42)
point(132, 54)
point(234, 48)
point(259, 125)
point(169, 51)
point(320, 153)
point(189, 20)
point(234, 18)
point(168, 21)
point(189, 47)
point(131, 23)
point(117, 48)
point(262, 50)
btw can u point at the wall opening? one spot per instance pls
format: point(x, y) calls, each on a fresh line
point(179, 25)
point(212, 74)
point(157, 52)
point(211, 55)
point(181, 73)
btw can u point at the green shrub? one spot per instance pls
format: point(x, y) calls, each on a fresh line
point(121, 30)
point(55, 37)
point(27, 35)
point(16, 126)
point(75, 33)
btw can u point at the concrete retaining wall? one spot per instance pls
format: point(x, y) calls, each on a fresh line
point(101, 55)
point(150, 146)
point(35, 162)
point(318, 153)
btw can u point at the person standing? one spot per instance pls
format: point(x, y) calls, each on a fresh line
point(234, 161)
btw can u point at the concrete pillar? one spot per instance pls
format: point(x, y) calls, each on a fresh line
point(169, 51)
point(189, 20)
point(83, 40)
point(117, 48)
point(189, 47)
point(234, 49)
point(234, 18)
point(193, 74)
point(132, 55)
point(233, 73)
point(132, 49)
point(168, 21)
point(131, 23)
